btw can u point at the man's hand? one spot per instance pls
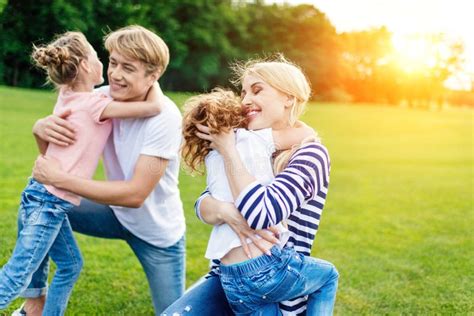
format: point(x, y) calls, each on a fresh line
point(47, 170)
point(56, 129)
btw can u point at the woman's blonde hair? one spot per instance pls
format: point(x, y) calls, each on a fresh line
point(219, 110)
point(286, 77)
point(137, 42)
point(61, 58)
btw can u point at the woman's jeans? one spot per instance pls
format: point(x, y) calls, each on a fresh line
point(164, 267)
point(205, 298)
point(43, 229)
point(254, 287)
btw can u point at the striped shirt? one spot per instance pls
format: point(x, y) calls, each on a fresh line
point(296, 195)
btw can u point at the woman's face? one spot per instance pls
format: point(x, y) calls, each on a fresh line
point(264, 106)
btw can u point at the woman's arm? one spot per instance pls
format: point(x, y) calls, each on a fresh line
point(215, 212)
point(151, 106)
point(306, 175)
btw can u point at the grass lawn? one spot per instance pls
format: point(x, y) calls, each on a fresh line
point(397, 223)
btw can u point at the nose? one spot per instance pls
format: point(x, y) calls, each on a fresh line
point(246, 100)
point(115, 73)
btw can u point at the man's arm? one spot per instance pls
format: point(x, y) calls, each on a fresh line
point(131, 193)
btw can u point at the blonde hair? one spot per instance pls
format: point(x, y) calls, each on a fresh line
point(282, 75)
point(286, 77)
point(61, 58)
point(220, 110)
point(139, 43)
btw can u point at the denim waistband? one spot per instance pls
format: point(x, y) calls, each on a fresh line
point(39, 190)
point(251, 266)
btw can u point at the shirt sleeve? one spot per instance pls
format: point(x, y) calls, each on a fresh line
point(305, 176)
point(197, 204)
point(96, 105)
point(163, 134)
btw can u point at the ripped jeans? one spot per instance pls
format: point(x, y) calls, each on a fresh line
point(256, 286)
point(43, 229)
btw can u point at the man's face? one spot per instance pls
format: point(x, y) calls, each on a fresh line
point(127, 78)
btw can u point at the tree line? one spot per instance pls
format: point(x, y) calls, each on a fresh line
point(205, 36)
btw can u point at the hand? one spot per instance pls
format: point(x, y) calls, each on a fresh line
point(47, 170)
point(56, 129)
point(231, 216)
point(222, 142)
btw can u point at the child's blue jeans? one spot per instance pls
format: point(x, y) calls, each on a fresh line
point(254, 287)
point(43, 229)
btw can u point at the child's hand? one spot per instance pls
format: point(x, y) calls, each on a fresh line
point(47, 170)
point(222, 142)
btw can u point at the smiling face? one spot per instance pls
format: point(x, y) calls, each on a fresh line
point(128, 79)
point(264, 105)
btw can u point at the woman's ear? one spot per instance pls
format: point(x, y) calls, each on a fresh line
point(290, 101)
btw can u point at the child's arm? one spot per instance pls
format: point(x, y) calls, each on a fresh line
point(151, 106)
point(286, 138)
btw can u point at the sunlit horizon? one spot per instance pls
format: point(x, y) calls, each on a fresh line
point(408, 21)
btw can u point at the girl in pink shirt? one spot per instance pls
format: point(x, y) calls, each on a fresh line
point(72, 66)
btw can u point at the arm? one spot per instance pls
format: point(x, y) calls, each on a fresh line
point(151, 106)
point(286, 138)
point(306, 175)
point(54, 129)
point(129, 193)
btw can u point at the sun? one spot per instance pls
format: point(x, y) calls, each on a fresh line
point(415, 53)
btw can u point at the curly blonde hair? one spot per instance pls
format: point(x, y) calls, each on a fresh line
point(220, 110)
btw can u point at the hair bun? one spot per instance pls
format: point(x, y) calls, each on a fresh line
point(50, 56)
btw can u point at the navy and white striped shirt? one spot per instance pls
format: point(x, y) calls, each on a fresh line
point(296, 195)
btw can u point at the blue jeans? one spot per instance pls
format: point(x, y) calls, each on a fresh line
point(205, 297)
point(44, 230)
point(164, 267)
point(254, 287)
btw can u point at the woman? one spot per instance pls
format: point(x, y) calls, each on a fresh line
point(274, 95)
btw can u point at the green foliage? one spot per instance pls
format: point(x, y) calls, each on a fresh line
point(397, 223)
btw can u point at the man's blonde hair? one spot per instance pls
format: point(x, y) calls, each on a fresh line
point(137, 42)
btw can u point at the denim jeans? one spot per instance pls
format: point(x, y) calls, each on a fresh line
point(44, 230)
point(254, 287)
point(205, 297)
point(164, 267)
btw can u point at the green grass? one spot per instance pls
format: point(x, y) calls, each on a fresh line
point(397, 224)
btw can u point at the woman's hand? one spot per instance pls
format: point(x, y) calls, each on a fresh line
point(222, 142)
point(231, 216)
point(56, 129)
point(47, 170)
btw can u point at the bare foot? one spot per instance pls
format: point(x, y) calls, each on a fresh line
point(34, 306)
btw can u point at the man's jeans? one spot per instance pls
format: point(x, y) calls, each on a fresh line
point(164, 267)
point(254, 287)
point(43, 229)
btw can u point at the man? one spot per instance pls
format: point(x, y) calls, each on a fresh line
point(140, 202)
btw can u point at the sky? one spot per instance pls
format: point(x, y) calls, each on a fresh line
point(403, 17)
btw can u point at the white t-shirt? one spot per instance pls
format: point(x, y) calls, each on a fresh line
point(160, 220)
point(255, 149)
